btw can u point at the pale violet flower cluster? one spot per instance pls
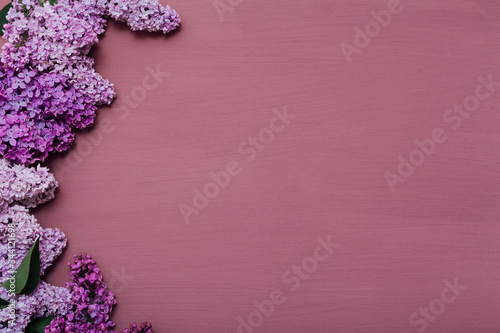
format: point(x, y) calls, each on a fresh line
point(24, 186)
point(52, 241)
point(46, 300)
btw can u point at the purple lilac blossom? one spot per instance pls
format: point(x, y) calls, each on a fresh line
point(91, 302)
point(143, 328)
point(48, 85)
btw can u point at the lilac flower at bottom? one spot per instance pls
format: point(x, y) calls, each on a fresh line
point(27, 230)
point(91, 302)
point(48, 88)
point(143, 328)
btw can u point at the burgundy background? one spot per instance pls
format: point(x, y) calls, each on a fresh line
point(323, 175)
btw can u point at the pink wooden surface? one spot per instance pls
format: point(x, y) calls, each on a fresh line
point(322, 175)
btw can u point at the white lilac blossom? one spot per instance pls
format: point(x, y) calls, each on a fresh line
point(25, 186)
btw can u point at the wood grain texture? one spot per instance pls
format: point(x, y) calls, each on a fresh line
point(322, 175)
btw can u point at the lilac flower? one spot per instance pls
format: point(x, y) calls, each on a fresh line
point(91, 302)
point(22, 187)
point(40, 112)
point(143, 328)
point(48, 88)
point(47, 76)
point(25, 186)
point(27, 230)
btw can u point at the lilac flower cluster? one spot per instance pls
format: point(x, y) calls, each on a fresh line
point(38, 112)
point(46, 300)
point(86, 303)
point(52, 241)
point(23, 187)
point(48, 85)
point(91, 302)
point(48, 88)
point(62, 34)
point(143, 328)
point(28, 187)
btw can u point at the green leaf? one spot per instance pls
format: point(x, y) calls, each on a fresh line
point(27, 276)
point(38, 325)
point(3, 304)
point(3, 16)
point(52, 2)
